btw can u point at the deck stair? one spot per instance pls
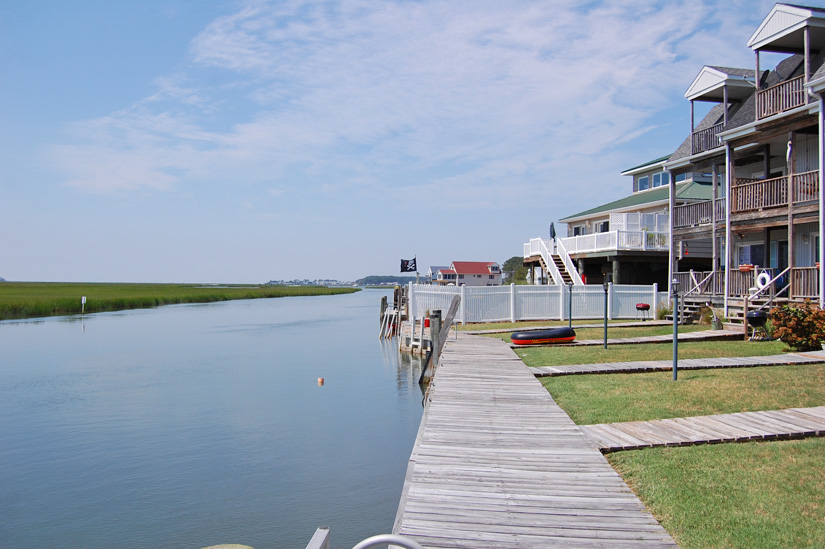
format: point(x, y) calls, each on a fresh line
point(562, 268)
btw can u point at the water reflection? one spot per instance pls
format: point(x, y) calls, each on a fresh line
point(188, 426)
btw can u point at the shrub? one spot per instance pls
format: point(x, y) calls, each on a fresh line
point(802, 328)
point(662, 310)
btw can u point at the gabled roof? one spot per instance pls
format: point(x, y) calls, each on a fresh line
point(646, 166)
point(472, 267)
point(690, 191)
point(782, 29)
point(710, 83)
point(435, 268)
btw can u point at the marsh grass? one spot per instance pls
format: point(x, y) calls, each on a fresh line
point(754, 495)
point(41, 299)
point(611, 398)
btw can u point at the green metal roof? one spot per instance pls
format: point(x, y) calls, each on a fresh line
point(685, 192)
point(648, 163)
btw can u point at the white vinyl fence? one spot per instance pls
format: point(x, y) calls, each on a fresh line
point(513, 303)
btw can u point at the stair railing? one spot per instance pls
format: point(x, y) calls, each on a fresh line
point(561, 251)
point(767, 286)
point(546, 255)
point(697, 285)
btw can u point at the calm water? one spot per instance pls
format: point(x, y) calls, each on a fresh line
point(194, 425)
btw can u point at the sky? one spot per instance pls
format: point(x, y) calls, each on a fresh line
point(242, 141)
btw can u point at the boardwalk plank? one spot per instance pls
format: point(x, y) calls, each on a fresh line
point(498, 464)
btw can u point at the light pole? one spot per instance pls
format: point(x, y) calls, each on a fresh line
point(674, 285)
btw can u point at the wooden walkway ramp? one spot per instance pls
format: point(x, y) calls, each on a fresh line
point(813, 357)
point(498, 464)
point(740, 427)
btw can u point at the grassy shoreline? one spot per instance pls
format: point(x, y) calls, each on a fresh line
point(42, 299)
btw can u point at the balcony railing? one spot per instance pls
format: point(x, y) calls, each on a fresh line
point(618, 240)
point(804, 282)
point(705, 140)
point(780, 98)
point(754, 194)
point(698, 213)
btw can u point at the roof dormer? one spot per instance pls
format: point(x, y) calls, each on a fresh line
point(791, 29)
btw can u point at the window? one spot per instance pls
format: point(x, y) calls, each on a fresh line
point(681, 177)
point(492, 277)
point(661, 178)
point(461, 276)
point(644, 183)
point(578, 231)
point(603, 227)
point(752, 254)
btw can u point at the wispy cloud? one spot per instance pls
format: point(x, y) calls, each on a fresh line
point(460, 97)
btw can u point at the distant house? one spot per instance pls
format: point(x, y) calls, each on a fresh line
point(432, 273)
point(470, 273)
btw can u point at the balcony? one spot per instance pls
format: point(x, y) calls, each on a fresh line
point(757, 194)
point(611, 241)
point(781, 97)
point(705, 140)
point(697, 214)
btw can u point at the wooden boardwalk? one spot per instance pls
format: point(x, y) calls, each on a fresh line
point(813, 357)
point(498, 464)
point(740, 427)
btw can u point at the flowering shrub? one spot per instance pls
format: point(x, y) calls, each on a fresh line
point(802, 328)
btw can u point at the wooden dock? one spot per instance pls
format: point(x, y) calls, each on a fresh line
point(813, 357)
point(739, 427)
point(498, 464)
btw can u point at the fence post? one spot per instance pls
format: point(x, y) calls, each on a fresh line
point(654, 303)
point(411, 304)
point(463, 293)
point(561, 301)
point(512, 302)
point(610, 300)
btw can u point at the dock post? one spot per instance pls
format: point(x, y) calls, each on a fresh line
point(435, 333)
point(383, 307)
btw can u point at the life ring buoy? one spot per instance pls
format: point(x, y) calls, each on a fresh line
point(763, 280)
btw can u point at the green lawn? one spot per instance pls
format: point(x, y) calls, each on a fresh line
point(612, 398)
point(619, 332)
point(560, 354)
point(38, 299)
point(752, 495)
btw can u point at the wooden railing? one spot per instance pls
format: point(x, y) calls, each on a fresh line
point(755, 194)
point(697, 213)
point(806, 186)
point(780, 98)
point(750, 194)
point(705, 140)
point(805, 282)
point(708, 282)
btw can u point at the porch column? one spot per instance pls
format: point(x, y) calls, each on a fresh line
point(616, 271)
point(692, 126)
point(791, 159)
point(580, 263)
point(725, 99)
point(715, 179)
point(671, 262)
point(821, 272)
point(729, 175)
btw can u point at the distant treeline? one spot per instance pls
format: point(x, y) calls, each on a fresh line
point(40, 299)
point(375, 280)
